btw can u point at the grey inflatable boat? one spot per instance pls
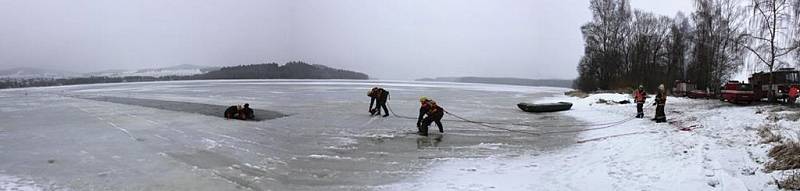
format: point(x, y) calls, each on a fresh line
point(545, 107)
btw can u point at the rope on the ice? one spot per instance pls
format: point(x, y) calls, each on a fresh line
point(543, 133)
point(467, 120)
point(489, 126)
point(613, 136)
point(513, 124)
point(620, 122)
point(396, 115)
point(461, 119)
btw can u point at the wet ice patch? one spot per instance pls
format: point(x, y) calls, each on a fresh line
point(489, 146)
point(343, 143)
point(8, 182)
point(333, 157)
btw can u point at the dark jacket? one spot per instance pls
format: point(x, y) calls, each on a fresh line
point(231, 112)
point(431, 110)
point(248, 113)
point(383, 96)
point(379, 95)
point(661, 98)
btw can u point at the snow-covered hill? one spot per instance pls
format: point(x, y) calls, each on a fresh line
point(30, 73)
point(179, 70)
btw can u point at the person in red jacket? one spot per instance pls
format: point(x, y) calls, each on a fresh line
point(640, 96)
point(793, 94)
point(432, 113)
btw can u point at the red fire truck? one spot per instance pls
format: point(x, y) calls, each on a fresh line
point(736, 92)
point(784, 79)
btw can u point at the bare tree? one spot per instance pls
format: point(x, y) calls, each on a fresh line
point(678, 48)
point(773, 33)
point(604, 54)
point(625, 49)
point(716, 53)
point(647, 49)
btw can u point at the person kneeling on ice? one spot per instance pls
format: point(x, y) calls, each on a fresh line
point(661, 101)
point(431, 113)
point(239, 112)
point(381, 96)
point(233, 112)
point(639, 96)
point(247, 113)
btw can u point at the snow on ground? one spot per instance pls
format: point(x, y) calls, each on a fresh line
point(718, 150)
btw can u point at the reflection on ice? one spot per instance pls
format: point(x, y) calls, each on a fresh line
point(429, 141)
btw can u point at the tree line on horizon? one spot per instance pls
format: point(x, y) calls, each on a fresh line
point(625, 48)
point(290, 70)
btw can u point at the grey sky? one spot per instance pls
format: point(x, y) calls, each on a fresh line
point(405, 39)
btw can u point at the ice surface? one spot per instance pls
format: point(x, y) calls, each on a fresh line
point(328, 141)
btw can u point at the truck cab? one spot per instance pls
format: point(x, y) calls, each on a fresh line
point(737, 92)
point(783, 80)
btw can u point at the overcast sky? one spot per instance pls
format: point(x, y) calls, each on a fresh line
point(402, 39)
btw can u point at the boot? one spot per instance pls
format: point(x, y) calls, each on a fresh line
point(423, 131)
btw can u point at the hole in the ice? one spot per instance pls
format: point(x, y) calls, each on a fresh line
point(199, 108)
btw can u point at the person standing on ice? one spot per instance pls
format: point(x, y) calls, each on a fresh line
point(639, 96)
point(432, 113)
point(380, 96)
point(661, 100)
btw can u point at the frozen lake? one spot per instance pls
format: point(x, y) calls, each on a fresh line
point(62, 138)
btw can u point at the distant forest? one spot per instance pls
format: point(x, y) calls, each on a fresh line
point(625, 48)
point(506, 81)
point(291, 70)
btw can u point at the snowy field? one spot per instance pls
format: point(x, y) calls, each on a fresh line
point(60, 138)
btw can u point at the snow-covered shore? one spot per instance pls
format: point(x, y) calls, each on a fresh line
point(718, 149)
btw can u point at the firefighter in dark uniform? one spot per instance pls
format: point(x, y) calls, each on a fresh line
point(661, 100)
point(247, 113)
point(233, 112)
point(380, 96)
point(640, 96)
point(432, 113)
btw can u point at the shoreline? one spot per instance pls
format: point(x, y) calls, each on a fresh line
point(719, 151)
